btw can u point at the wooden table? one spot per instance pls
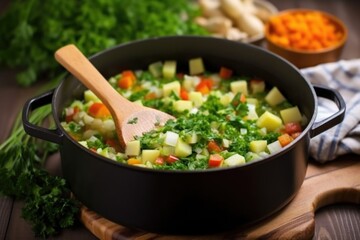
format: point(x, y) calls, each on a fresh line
point(340, 221)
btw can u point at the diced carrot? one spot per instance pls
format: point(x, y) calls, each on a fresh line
point(113, 143)
point(99, 110)
point(125, 82)
point(292, 127)
point(242, 98)
point(150, 96)
point(184, 95)
point(295, 135)
point(133, 161)
point(127, 79)
point(159, 161)
point(171, 159)
point(285, 139)
point(213, 146)
point(225, 73)
point(215, 160)
point(204, 86)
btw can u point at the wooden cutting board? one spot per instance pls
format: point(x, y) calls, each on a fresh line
point(334, 182)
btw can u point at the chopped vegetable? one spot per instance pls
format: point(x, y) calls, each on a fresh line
point(285, 139)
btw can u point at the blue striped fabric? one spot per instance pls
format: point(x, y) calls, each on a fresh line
point(344, 138)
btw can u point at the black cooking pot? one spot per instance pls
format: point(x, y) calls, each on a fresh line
point(187, 202)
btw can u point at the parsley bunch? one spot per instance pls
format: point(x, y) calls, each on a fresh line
point(31, 31)
point(47, 203)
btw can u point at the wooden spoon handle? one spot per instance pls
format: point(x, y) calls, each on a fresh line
point(76, 63)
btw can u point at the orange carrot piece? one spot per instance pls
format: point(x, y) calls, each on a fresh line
point(285, 139)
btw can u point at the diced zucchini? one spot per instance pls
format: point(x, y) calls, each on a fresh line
point(156, 69)
point(257, 146)
point(150, 155)
point(182, 149)
point(196, 98)
point(291, 115)
point(274, 97)
point(167, 150)
point(269, 121)
point(171, 138)
point(192, 138)
point(169, 69)
point(133, 148)
point(90, 96)
point(234, 160)
point(196, 66)
point(240, 86)
point(182, 105)
point(170, 87)
point(274, 147)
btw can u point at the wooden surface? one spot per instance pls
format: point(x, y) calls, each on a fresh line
point(339, 221)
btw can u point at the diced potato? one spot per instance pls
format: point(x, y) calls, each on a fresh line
point(292, 114)
point(182, 105)
point(169, 69)
point(269, 121)
point(226, 98)
point(274, 97)
point(196, 98)
point(156, 69)
point(274, 147)
point(252, 101)
point(150, 155)
point(226, 143)
point(133, 148)
point(258, 146)
point(182, 149)
point(234, 160)
point(239, 86)
point(257, 86)
point(171, 138)
point(170, 87)
point(90, 96)
point(196, 66)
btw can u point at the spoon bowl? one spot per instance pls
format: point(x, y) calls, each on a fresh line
point(130, 118)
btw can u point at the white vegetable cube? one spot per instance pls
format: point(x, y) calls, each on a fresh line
point(292, 114)
point(257, 86)
point(226, 143)
point(183, 105)
point(90, 96)
point(258, 146)
point(252, 115)
point(133, 148)
point(169, 69)
point(171, 138)
point(196, 98)
point(239, 86)
point(274, 147)
point(190, 82)
point(156, 69)
point(196, 66)
point(150, 155)
point(274, 97)
point(170, 87)
point(269, 121)
point(182, 149)
point(234, 160)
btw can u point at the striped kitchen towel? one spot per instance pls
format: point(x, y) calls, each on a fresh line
point(343, 76)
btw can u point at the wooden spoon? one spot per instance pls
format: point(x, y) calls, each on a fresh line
point(130, 119)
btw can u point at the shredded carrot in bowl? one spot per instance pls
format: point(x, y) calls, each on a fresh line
point(305, 30)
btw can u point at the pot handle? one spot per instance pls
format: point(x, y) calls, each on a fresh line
point(333, 119)
point(52, 135)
